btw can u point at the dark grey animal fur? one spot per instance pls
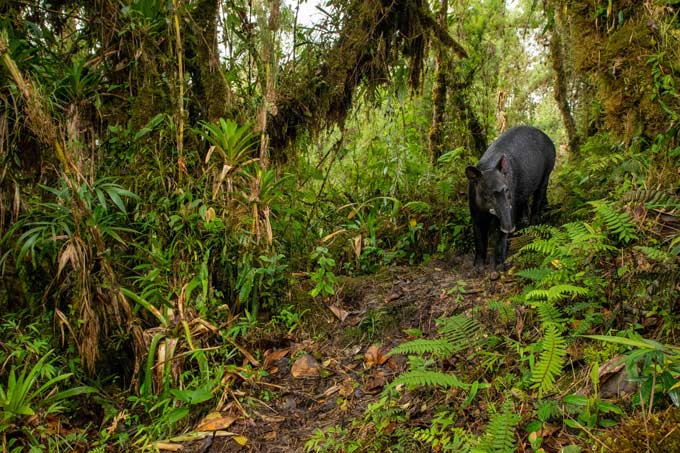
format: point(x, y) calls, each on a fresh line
point(516, 167)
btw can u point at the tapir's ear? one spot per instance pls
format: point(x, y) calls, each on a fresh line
point(503, 164)
point(473, 173)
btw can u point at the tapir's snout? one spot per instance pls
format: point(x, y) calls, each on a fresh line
point(508, 230)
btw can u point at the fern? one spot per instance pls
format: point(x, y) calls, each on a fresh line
point(618, 223)
point(556, 293)
point(652, 198)
point(655, 254)
point(551, 360)
point(427, 378)
point(535, 273)
point(499, 436)
point(457, 333)
point(548, 313)
point(438, 347)
point(460, 331)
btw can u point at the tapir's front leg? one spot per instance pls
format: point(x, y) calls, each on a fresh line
point(501, 251)
point(481, 227)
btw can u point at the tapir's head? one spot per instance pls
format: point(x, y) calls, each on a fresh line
point(492, 192)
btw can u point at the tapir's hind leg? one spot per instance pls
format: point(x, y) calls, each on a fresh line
point(540, 200)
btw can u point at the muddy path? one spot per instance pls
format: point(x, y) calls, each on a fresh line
point(328, 371)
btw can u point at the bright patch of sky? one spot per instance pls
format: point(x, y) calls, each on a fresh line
point(308, 14)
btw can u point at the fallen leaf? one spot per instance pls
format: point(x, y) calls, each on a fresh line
point(274, 356)
point(167, 446)
point(374, 356)
point(375, 382)
point(305, 366)
point(339, 312)
point(241, 440)
point(347, 387)
point(391, 297)
point(215, 421)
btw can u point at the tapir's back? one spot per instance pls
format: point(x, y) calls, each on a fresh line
point(528, 148)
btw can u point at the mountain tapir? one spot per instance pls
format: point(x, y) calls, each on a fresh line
point(515, 167)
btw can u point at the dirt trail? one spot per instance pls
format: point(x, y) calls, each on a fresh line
point(367, 312)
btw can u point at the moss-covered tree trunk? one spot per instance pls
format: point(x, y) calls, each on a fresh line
point(560, 85)
point(435, 136)
point(210, 93)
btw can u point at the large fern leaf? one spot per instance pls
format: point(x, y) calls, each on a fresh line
point(499, 436)
point(428, 378)
point(556, 293)
point(438, 347)
point(619, 224)
point(548, 313)
point(551, 360)
point(460, 331)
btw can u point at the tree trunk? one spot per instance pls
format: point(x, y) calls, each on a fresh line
point(435, 145)
point(210, 92)
point(560, 89)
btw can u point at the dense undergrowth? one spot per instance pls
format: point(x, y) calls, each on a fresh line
point(147, 239)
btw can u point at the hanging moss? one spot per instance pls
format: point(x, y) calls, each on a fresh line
point(374, 35)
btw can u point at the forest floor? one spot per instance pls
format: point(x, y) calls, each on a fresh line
point(333, 366)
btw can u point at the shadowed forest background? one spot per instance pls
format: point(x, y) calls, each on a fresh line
point(227, 227)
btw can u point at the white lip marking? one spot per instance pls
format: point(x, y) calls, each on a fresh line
point(492, 211)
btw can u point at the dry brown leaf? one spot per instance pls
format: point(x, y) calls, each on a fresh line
point(347, 387)
point(215, 421)
point(393, 296)
point(167, 446)
point(374, 356)
point(274, 356)
point(339, 312)
point(357, 246)
point(375, 382)
point(67, 255)
point(305, 366)
point(330, 236)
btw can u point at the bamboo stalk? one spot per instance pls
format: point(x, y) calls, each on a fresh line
point(180, 100)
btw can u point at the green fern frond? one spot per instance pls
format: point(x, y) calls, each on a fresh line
point(652, 198)
point(438, 347)
point(555, 293)
point(427, 378)
point(535, 273)
point(551, 360)
point(655, 254)
point(499, 436)
point(548, 313)
point(540, 231)
point(460, 331)
point(619, 224)
point(546, 247)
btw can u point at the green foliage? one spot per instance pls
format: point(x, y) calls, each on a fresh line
point(34, 388)
point(618, 223)
point(427, 378)
point(456, 334)
point(499, 435)
point(551, 360)
point(323, 278)
point(442, 435)
point(653, 365)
